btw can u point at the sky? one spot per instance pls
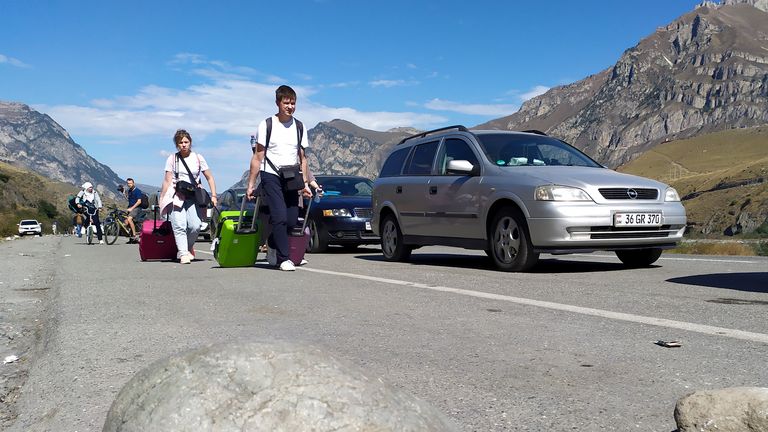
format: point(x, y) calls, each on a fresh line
point(122, 76)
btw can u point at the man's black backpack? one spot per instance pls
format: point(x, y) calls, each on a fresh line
point(144, 201)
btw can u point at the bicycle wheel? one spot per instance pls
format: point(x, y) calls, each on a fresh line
point(111, 233)
point(89, 234)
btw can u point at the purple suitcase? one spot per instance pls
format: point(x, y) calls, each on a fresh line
point(156, 241)
point(298, 239)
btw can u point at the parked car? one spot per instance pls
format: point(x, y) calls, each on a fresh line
point(343, 214)
point(205, 224)
point(517, 195)
point(30, 226)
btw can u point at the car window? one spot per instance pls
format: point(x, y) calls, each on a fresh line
point(531, 150)
point(335, 186)
point(456, 149)
point(29, 222)
point(421, 159)
point(394, 163)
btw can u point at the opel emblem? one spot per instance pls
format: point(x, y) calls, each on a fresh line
point(632, 193)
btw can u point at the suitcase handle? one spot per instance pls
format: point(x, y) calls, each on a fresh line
point(254, 227)
point(306, 212)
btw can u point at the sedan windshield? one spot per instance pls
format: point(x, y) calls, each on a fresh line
point(504, 149)
point(346, 186)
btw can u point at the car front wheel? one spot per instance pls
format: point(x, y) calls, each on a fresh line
point(509, 243)
point(318, 241)
point(639, 257)
point(392, 241)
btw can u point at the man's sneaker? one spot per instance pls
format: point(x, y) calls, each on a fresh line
point(185, 259)
point(272, 256)
point(101, 241)
point(303, 262)
point(287, 265)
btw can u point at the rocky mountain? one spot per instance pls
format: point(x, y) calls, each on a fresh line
point(34, 141)
point(340, 147)
point(706, 71)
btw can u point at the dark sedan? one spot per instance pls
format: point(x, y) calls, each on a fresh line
point(343, 215)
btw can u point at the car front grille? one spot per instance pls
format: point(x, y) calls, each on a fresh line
point(609, 232)
point(363, 213)
point(627, 193)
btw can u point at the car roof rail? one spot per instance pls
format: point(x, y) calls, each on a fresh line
point(535, 131)
point(423, 134)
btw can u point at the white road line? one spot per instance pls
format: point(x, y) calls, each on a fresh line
point(661, 322)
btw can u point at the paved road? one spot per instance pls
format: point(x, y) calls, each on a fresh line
point(567, 347)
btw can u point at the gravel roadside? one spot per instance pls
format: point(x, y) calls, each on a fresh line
point(28, 267)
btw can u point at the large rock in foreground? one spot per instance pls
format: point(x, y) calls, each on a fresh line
point(264, 387)
point(738, 409)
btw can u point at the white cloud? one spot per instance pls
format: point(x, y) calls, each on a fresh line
point(221, 113)
point(391, 83)
point(497, 110)
point(532, 93)
point(13, 62)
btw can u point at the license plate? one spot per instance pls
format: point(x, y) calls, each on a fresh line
point(636, 219)
point(368, 226)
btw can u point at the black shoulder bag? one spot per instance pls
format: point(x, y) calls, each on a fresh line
point(291, 175)
point(202, 198)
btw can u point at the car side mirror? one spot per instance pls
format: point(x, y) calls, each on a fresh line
point(461, 167)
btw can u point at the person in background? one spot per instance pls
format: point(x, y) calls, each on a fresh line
point(135, 212)
point(183, 212)
point(54, 227)
point(90, 200)
point(77, 221)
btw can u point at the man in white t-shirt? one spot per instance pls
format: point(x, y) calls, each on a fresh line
point(283, 145)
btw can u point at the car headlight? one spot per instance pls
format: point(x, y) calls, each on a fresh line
point(560, 193)
point(671, 195)
point(337, 213)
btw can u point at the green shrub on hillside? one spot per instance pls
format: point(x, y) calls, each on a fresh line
point(761, 249)
point(46, 209)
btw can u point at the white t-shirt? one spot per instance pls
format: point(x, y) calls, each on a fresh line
point(195, 162)
point(282, 150)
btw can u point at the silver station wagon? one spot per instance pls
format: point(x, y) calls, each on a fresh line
point(517, 195)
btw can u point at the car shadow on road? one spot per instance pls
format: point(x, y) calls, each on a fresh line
point(749, 282)
point(480, 262)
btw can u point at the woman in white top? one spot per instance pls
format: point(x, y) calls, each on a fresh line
point(184, 213)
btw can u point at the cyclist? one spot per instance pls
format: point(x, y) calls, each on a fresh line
point(90, 200)
point(135, 212)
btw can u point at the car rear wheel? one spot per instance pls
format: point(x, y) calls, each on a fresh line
point(639, 257)
point(318, 241)
point(392, 241)
point(510, 245)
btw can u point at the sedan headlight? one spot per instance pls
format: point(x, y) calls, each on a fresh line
point(671, 195)
point(560, 193)
point(337, 213)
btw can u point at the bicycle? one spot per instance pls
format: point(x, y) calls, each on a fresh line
point(114, 224)
point(90, 228)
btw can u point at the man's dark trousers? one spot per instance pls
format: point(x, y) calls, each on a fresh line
point(283, 213)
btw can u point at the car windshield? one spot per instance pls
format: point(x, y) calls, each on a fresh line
point(29, 222)
point(509, 150)
point(346, 186)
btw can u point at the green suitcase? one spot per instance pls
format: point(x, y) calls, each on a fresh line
point(238, 236)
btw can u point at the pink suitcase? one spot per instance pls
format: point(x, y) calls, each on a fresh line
point(298, 239)
point(156, 241)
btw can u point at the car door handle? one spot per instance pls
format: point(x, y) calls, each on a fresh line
point(433, 190)
point(399, 189)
